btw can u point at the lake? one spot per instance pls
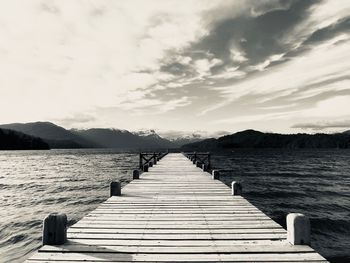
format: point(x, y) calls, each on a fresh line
point(35, 183)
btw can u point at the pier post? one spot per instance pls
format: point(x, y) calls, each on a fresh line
point(135, 174)
point(140, 160)
point(115, 189)
point(198, 163)
point(150, 164)
point(145, 168)
point(154, 158)
point(215, 175)
point(209, 163)
point(236, 188)
point(298, 229)
point(204, 167)
point(55, 229)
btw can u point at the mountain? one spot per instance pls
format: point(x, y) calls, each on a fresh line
point(58, 137)
point(180, 141)
point(55, 136)
point(113, 138)
point(12, 140)
point(256, 139)
point(179, 138)
point(151, 137)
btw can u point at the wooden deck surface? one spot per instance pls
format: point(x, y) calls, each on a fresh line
point(176, 213)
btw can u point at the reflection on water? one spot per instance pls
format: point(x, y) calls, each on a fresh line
point(35, 183)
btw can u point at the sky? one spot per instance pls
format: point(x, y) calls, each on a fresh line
point(197, 65)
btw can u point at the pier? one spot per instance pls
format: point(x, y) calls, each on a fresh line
point(176, 211)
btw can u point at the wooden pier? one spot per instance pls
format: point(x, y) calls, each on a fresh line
point(176, 212)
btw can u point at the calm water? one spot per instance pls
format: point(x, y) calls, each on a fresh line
point(35, 183)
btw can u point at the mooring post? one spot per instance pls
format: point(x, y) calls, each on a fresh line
point(55, 229)
point(204, 167)
point(115, 189)
point(298, 229)
point(135, 174)
point(140, 161)
point(215, 175)
point(145, 168)
point(209, 163)
point(154, 158)
point(236, 188)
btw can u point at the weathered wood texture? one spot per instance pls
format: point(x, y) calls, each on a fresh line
point(176, 213)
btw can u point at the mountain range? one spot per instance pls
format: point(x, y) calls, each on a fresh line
point(256, 139)
point(54, 136)
point(59, 137)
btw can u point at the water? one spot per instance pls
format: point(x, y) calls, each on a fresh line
point(35, 183)
point(313, 182)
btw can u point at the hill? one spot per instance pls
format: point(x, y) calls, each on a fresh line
point(12, 140)
point(113, 138)
point(256, 139)
point(55, 136)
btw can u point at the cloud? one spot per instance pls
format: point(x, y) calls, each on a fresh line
point(324, 125)
point(153, 105)
point(213, 64)
point(77, 120)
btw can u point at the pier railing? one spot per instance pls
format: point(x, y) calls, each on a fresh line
point(148, 159)
point(200, 159)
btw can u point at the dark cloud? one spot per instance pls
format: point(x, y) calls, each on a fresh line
point(266, 36)
point(255, 37)
point(341, 26)
point(323, 125)
point(320, 35)
point(175, 68)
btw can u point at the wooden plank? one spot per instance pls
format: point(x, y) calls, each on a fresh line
point(137, 257)
point(174, 223)
point(233, 226)
point(174, 236)
point(174, 218)
point(176, 213)
point(177, 250)
point(177, 231)
point(177, 243)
